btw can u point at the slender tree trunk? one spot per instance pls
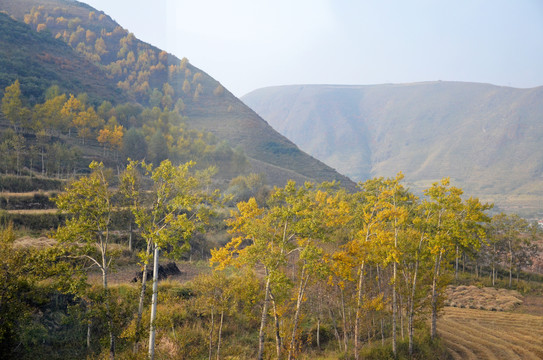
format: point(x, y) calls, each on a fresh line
point(456, 259)
point(493, 275)
point(220, 335)
point(42, 161)
point(394, 310)
point(130, 233)
point(154, 305)
point(411, 315)
point(319, 317)
point(108, 315)
point(334, 325)
point(139, 329)
point(401, 315)
point(211, 334)
point(358, 311)
point(344, 319)
point(510, 268)
point(89, 327)
point(263, 320)
point(318, 333)
point(17, 153)
point(433, 333)
point(381, 320)
point(303, 282)
point(278, 341)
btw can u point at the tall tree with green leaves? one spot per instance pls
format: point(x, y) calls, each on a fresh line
point(396, 201)
point(450, 220)
point(179, 205)
point(369, 228)
point(87, 232)
point(270, 240)
point(291, 227)
point(12, 105)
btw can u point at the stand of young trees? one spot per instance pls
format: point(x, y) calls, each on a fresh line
point(307, 268)
point(372, 263)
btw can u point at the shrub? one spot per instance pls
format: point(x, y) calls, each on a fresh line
point(13, 183)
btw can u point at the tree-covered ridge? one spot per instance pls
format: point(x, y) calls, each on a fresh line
point(157, 78)
point(152, 76)
point(39, 61)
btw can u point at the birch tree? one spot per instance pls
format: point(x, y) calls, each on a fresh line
point(87, 233)
point(450, 221)
point(178, 206)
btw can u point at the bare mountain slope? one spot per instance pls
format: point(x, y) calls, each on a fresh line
point(488, 139)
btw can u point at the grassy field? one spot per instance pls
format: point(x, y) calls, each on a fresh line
point(481, 334)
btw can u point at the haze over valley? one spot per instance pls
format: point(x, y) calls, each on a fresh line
point(487, 138)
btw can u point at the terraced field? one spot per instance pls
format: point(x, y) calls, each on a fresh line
point(481, 334)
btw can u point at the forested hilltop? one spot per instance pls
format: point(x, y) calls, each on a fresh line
point(141, 73)
point(130, 228)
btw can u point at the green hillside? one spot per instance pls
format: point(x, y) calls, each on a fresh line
point(486, 138)
point(39, 61)
point(154, 78)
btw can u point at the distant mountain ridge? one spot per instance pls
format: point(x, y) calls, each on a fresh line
point(488, 139)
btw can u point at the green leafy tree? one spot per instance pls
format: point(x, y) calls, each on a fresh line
point(449, 221)
point(86, 122)
point(178, 206)
point(71, 110)
point(49, 116)
point(155, 98)
point(134, 145)
point(158, 148)
point(296, 222)
point(15, 281)
point(87, 233)
point(186, 87)
point(12, 105)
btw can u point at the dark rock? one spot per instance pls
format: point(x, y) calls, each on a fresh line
point(163, 272)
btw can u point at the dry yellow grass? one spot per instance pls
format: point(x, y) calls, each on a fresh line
point(33, 211)
point(27, 194)
point(487, 298)
point(40, 243)
point(480, 334)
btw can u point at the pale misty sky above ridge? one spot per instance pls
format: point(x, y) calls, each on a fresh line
point(249, 44)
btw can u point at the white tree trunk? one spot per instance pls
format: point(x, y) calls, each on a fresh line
point(153, 305)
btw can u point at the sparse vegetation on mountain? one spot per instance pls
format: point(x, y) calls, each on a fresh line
point(485, 137)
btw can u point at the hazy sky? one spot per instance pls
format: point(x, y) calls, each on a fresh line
point(248, 44)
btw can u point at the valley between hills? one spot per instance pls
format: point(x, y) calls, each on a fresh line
point(486, 138)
